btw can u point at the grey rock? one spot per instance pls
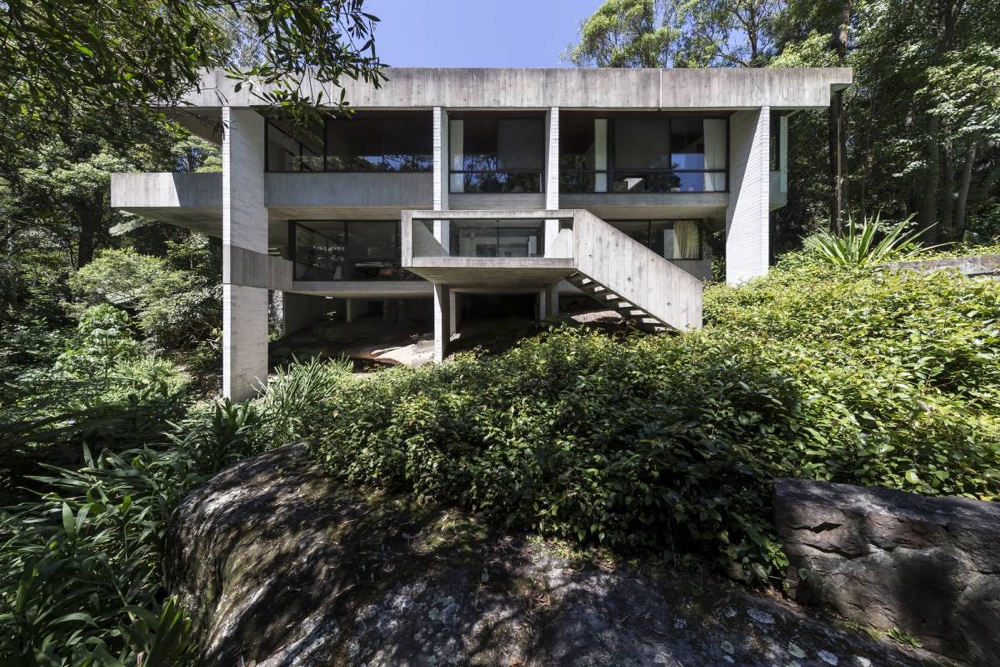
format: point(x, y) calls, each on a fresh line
point(278, 565)
point(929, 567)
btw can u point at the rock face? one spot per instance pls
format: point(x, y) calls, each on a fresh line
point(279, 565)
point(929, 567)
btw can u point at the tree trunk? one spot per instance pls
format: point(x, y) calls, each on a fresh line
point(90, 224)
point(963, 192)
point(838, 205)
point(929, 200)
point(948, 190)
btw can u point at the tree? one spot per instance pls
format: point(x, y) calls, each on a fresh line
point(61, 57)
point(723, 33)
point(623, 33)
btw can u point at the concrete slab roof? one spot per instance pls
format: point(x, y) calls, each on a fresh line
point(569, 88)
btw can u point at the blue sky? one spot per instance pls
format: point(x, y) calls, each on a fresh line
point(477, 33)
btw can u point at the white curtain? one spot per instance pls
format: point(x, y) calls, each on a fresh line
point(715, 154)
point(687, 241)
point(456, 144)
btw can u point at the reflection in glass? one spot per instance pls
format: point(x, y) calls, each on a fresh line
point(497, 238)
point(501, 155)
point(649, 154)
point(383, 143)
point(352, 250)
point(670, 239)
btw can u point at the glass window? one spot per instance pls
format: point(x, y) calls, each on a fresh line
point(642, 143)
point(670, 239)
point(395, 144)
point(347, 250)
point(687, 144)
point(489, 154)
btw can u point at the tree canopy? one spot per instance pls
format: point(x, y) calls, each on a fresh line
point(918, 133)
point(119, 55)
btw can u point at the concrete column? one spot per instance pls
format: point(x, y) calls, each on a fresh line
point(552, 298)
point(453, 313)
point(355, 308)
point(442, 321)
point(244, 226)
point(548, 303)
point(441, 158)
point(441, 180)
point(551, 175)
point(747, 228)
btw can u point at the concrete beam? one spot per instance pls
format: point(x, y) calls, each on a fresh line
point(569, 88)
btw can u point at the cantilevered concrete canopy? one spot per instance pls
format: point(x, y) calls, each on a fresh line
point(639, 89)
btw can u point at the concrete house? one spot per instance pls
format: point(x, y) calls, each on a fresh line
point(448, 183)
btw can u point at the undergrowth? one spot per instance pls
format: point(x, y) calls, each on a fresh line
point(672, 443)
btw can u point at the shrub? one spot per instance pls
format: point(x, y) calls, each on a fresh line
point(866, 244)
point(81, 578)
point(672, 443)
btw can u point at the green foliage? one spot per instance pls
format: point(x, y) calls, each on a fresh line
point(867, 244)
point(104, 339)
point(672, 443)
point(175, 309)
point(622, 33)
point(81, 578)
point(140, 54)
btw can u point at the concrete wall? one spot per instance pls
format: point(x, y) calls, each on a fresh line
point(244, 228)
point(407, 190)
point(747, 229)
point(567, 88)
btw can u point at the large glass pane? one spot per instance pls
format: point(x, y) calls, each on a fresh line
point(293, 149)
point(677, 239)
point(354, 145)
point(489, 154)
point(642, 143)
point(409, 144)
point(372, 250)
point(687, 144)
point(497, 238)
point(576, 143)
point(402, 143)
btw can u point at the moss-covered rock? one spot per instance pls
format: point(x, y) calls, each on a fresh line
point(280, 565)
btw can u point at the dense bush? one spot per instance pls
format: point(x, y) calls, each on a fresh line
point(81, 578)
point(672, 442)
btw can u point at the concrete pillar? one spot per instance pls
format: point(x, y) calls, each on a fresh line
point(747, 228)
point(355, 308)
point(300, 310)
point(548, 303)
point(453, 312)
point(551, 175)
point(441, 158)
point(552, 300)
point(442, 229)
point(442, 321)
point(244, 228)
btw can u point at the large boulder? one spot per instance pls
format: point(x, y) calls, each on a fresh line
point(926, 567)
point(280, 565)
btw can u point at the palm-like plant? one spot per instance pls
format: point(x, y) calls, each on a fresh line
point(865, 244)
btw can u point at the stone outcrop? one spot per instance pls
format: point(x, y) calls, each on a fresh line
point(926, 567)
point(280, 565)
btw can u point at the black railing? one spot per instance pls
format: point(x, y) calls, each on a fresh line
point(585, 181)
point(496, 181)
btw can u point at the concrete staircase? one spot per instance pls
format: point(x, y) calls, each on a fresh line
point(626, 276)
point(612, 301)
